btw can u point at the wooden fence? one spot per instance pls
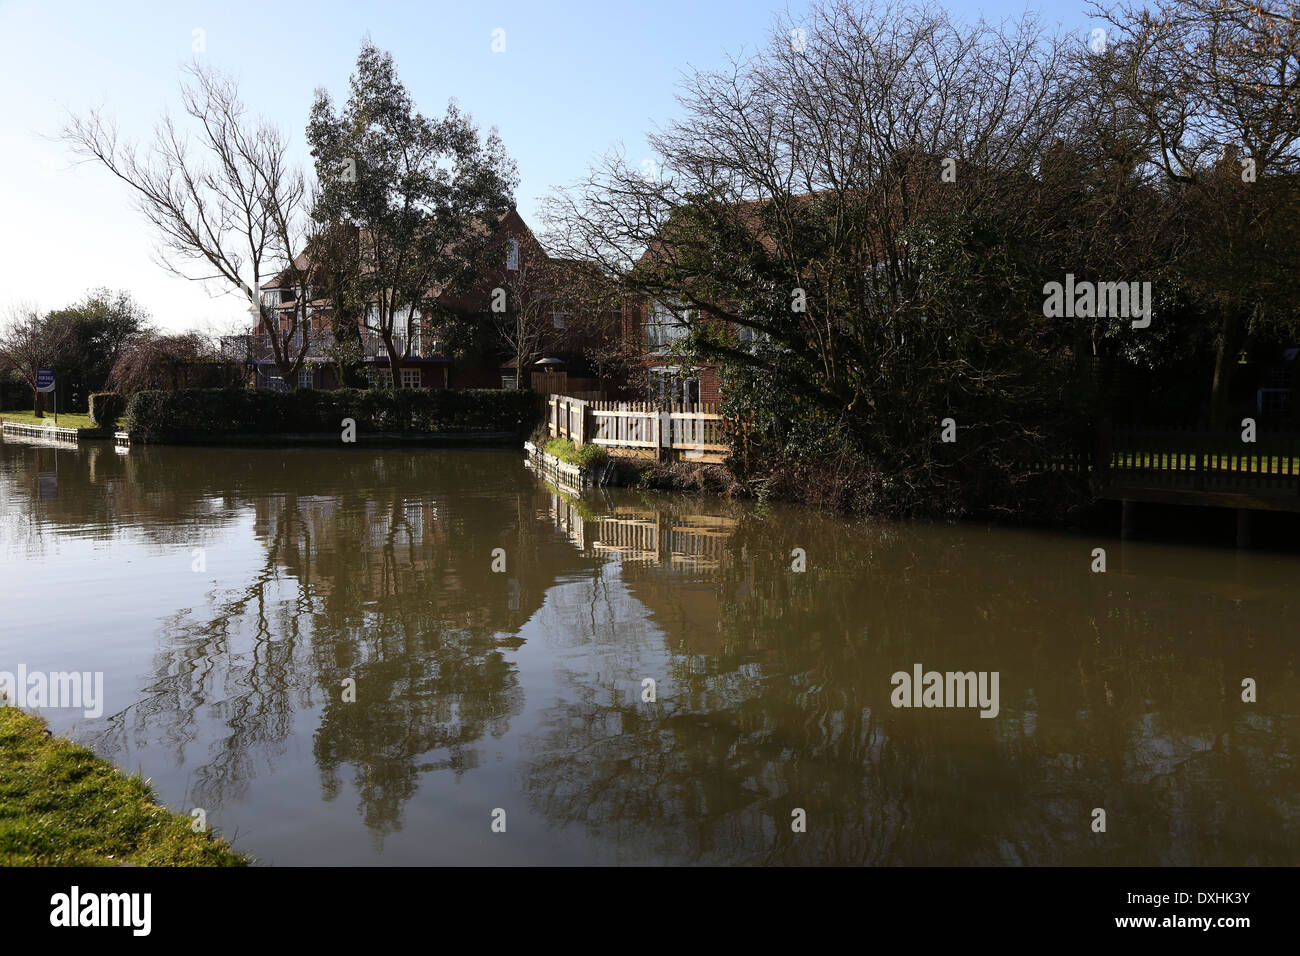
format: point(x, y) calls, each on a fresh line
point(562, 383)
point(48, 431)
point(1199, 460)
point(685, 431)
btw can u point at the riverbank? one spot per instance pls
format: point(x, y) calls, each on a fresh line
point(66, 419)
point(1190, 523)
point(360, 439)
point(61, 805)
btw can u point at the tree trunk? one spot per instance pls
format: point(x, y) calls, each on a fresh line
point(393, 358)
point(1225, 356)
point(347, 335)
point(38, 403)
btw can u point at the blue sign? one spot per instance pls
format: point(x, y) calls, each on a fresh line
point(45, 380)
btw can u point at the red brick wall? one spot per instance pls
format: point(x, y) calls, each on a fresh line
point(710, 384)
point(634, 316)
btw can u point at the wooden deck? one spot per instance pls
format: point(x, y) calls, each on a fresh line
point(692, 433)
point(1199, 468)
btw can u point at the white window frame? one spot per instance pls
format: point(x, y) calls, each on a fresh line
point(665, 318)
point(379, 377)
point(410, 378)
point(751, 338)
point(671, 385)
point(512, 255)
point(561, 320)
point(306, 376)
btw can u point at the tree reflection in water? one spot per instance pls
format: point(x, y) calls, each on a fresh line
point(1118, 690)
point(776, 698)
point(373, 583)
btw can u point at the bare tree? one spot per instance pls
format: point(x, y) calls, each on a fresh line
point(1211, 89)
point(158, 360)
point(29, 341)
point(235, 205)
point(799, 223)
point(522, 308)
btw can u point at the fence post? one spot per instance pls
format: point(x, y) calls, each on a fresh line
point(1198, 444)
point(1105, 445)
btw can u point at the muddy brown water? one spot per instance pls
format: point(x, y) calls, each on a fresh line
point(231, 597)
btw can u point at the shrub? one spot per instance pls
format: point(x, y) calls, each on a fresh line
point(588, 456)
point(200, 413)
point(106, 409)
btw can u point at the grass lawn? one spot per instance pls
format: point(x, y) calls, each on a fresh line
point(1182, 461)
point(60, 805)
point(66, 419)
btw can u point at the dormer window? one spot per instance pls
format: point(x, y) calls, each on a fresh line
point(512, 255)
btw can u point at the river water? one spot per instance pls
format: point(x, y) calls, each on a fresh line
point(499, 637)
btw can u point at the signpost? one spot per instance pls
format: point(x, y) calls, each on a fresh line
point(45, 383)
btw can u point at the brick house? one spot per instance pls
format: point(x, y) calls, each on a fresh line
point(652, 326)
point(425, 362)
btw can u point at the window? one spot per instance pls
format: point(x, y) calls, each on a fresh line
point(415, 521)
point(670, 386)
point(1280, 377)
point(305, 377)
point(509, 381)
point(749, 338)
point(1274, 399)
point(512, 255)
point(380, 377)
point(561, 320)
point(665, 325)
point(410, 378)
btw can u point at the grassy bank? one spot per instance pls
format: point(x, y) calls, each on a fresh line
point(61, 805)
point(588, 456)
point(66, 419)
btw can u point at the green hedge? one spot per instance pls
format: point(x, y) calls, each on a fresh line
point(199, 413)
point(107, 409)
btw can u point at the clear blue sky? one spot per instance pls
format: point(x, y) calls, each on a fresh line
point(576, 79)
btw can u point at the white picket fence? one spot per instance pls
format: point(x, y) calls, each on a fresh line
point(45, 430)
point(688, 431)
